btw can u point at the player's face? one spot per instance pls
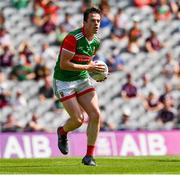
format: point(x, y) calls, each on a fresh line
point(93, 22)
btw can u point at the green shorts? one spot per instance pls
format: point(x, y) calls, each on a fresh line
point(67, 89)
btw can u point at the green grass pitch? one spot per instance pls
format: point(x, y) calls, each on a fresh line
point(105, 165)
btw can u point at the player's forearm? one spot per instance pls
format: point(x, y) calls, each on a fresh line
point(68, 65)
point(73, 66)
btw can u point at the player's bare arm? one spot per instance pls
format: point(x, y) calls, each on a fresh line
point(66, 64)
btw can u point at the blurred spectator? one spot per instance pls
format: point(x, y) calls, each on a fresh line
point(105, 125)
point(46, 91)
point(25, 48)
point(6, 57)
point(19, 101)
point(19, 4)
point(162, 10)
point(177, 12)
point(134, 35)
point(129, 89)
point(3, 80)
point(142, 3)
point(86, 4)
point(152, 42)
point(11, 124)
point(151, 103)
point(61, 33)
point(21, 72)
point(4, 38)
point(57, 106)
point(107, 17)
point(26, 51)
point(49, 25)
point(46, 15)
point(24, 60)
point(147, 86)
point(118, 30)
point(170, 69)
point(125, 123)
point(4, 92)
point(50, 9)
point(175, 6)
point(2, 21)
point(4, 99)
point(37, 16)
point(166, 117)
point(40, 69)
point(34, 126)
point(167, 95)
point(178, 77)
point(47, 52)
point(178, 118)
point(67, 23)
point(115, 63)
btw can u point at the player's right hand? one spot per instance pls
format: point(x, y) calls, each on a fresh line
point(93, 67)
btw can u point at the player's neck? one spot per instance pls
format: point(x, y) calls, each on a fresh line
point(87, 34)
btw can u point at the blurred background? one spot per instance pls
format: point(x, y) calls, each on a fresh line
point(140, 43)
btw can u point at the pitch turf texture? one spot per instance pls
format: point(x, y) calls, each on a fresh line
point(105, 165)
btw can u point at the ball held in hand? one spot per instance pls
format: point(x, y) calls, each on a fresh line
point(99, 76)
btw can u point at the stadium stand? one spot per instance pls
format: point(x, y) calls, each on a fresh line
point(19, 26)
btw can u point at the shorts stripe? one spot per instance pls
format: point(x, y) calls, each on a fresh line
point(67, 97)
point(85, 91)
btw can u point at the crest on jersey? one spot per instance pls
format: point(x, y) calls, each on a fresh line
point(61, 94)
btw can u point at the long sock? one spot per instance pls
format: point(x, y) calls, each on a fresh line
point(62, 132)
point(90, 150)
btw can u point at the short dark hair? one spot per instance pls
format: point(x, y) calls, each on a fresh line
point(91, 10)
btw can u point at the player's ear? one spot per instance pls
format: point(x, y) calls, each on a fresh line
point(84, 22)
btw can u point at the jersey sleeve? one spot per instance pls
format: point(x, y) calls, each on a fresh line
point(69, 43)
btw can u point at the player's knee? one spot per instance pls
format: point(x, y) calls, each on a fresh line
point(79, 120)
point(95, 116)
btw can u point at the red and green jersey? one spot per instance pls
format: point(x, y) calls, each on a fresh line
point(83, 50)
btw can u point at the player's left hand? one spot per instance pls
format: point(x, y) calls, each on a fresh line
point(104, 78)
point(101, 80)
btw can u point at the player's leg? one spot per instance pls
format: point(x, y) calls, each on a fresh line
point(75, 120)
point(65, 91)
point(67, 95)
point(89, 102)
point(75, 112)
